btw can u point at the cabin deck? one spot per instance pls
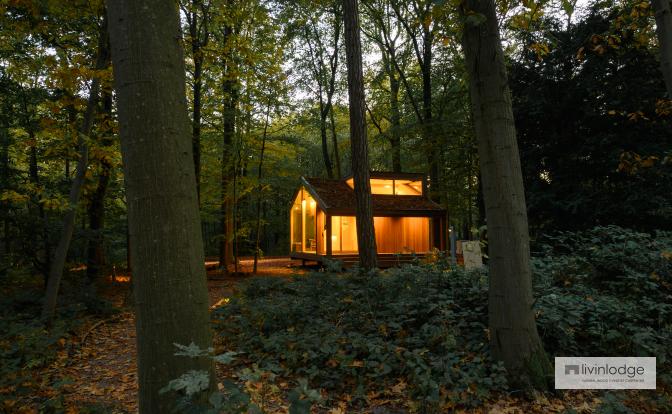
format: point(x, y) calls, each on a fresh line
point(385, 260)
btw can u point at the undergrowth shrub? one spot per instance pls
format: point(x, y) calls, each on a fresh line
point(422, 328)
point(26, 345)
point(419, 330)
point(605, 292)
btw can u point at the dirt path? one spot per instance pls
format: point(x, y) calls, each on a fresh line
point(100, 370)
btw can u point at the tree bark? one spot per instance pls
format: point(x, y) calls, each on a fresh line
point(334, 142)
point(395, 118)
point(663, 13)
point(96, 211)
point(169, 280)
point(366, 238)
point(513, 331)
point(230, 92)
point(61, 251)
point(259, 189)
point(199, 35)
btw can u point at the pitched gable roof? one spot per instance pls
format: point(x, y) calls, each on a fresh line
point(336, 197)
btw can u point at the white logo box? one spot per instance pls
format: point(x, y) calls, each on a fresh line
point(605, 373)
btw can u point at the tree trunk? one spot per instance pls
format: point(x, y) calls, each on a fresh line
point(334, 141)
point(428, 126)
point(199, 39)
point(366, 238)
point(96, 211)
point(513, 331)
point(196, 126)
point(325, 143)
point(395, 117)
point(167, 247)
point(230, 92)
point(4, 160)
point(61, 251)
point(663, 12)
point(259, 190)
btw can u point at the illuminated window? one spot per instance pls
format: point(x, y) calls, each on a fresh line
point(392, 187)
point(303, 223)
point(408, 187)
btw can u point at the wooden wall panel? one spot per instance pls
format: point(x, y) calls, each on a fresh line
point(393, 234)
point(402, 234)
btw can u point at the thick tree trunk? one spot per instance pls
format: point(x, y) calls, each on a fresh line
point(366, 238)
point(61, 250)
point(663, 12)
point(167, 247)
point(513, 331)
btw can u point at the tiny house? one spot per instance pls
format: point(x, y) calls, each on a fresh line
point(406, 222)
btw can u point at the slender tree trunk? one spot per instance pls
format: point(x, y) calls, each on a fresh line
point(513, 331)
point(167, 247)
point(199, 39)
point(428, 125)
point(230, 92)
point(663, 12)
point(366, 238)
point(4, 157)
point(259, 189)
point(196, 126)
point(96, 211)
point(325, 142)
point(334, 142)
point(46, 245)
point(60, 253)
point(36, 206)
point(395, 117)
point(234, 206)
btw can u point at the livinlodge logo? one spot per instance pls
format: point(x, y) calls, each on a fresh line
point(605, 373)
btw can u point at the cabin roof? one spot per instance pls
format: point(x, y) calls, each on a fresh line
point(336, 197)
point(393, 175)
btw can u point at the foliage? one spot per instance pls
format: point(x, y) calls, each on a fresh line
point(606, 291)
point(26, 345)
point(593, 123)
point(418, 331)
point(229, 397)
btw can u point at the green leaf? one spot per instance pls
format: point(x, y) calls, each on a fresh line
point(190, 383)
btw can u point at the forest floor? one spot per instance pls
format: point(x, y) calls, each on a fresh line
point(97, 369)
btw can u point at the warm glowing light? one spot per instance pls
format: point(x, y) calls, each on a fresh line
point(333, 237)
point(221, 302)
point(312, 204)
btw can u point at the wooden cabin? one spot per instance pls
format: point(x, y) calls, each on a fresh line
point(407, 223)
